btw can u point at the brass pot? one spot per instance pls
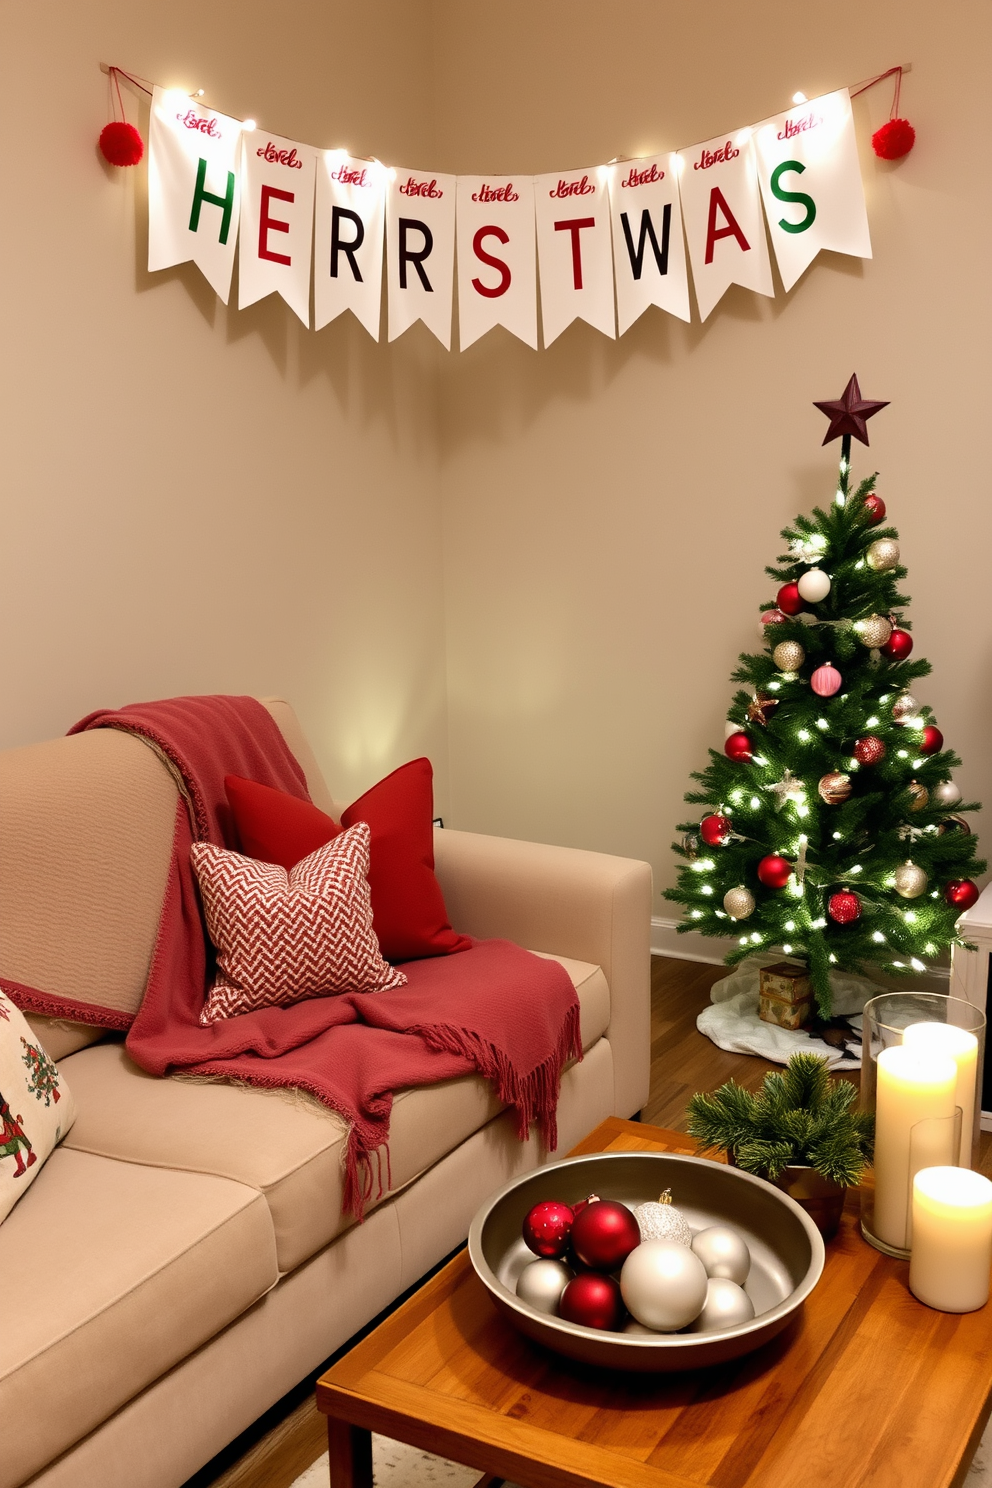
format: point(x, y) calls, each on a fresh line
point(822, 1198)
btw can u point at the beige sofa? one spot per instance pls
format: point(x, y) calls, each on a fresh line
point(181, 1261)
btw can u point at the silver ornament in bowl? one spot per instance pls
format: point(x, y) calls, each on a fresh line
point(663, 1285)
point(726, 1306)
point(662, 1221)
point(541, 1283)
point(723, 1253)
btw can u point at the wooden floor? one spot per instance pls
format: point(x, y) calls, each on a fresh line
point(291, 1435)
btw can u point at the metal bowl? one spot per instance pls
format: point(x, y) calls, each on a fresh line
point(786, 1253)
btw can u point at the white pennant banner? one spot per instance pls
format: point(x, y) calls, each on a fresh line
point(277, 181)
point(723, 221)
point(648, 246)
point(574, 243)
point(811, 183)
point(420, 251)
point(194, 194)
point(349, 226)
point(497, 258)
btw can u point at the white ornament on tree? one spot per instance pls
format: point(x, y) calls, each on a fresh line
point(946, 794)
point(814, 585)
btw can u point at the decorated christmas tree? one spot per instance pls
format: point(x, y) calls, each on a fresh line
point(830, 827)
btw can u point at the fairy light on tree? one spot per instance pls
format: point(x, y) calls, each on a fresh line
point(843, 834)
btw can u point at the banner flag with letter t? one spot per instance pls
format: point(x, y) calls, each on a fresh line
point(194, 193)
point(574, 243)
point(277, 180)
point(351, 206)
point(420, 251)
point(497, 258)
point(648, 246)
point(723, 222)
point(810, 179)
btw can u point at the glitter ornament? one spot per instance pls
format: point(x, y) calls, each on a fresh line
point(883, 554)
point(910, 881)
point(834, 789)
point(593, 1302)
point(738, 748)
point(873, 508)
point(788, 656)
point(770, 617)
point(899, 645)
point(904, 708)
point(690, 845)
point(869, 750)
point(715, 830)
point(723, 1253)
point(789, 600)
point(919, 796)
point(932, 741)
point(814, 586)
point(739, 903)
point(604, 1234)
point(826, 680)
point(727, 1306)
point(547, 1228)
point(946, 794)
point(961, 893)
point(873, 630)
point(774, 872)
point(760, 706)
point(662, 1221)
point(541, 1283)
point(844, 907)
point(663, 1285)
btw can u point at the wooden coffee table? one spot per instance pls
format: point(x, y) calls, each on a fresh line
point(867, 1389)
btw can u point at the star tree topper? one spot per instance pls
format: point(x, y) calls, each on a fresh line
point(849, 414)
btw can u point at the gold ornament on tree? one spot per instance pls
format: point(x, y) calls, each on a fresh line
point(919, 796)
point(788, 656)
point(739, 903)
point(873, 631)
point(834, 788)
point(883, 554)
point(911, 881)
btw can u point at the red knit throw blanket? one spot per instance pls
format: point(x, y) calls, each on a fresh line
point(496, 1009)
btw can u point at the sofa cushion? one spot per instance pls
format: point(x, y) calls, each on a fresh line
point(36, 1106)
point(284, 1145)
point(123, 1270)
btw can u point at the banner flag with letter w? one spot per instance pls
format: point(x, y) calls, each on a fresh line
point(648, 246)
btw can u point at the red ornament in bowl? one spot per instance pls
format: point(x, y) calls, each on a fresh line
point(547, 1229)
point(774, 871)
point(604, 1234)
point(899, 645)
point(593, 1302)
point(874, 509)
point(844, 907)
point(869, 750)
point(738, 747)
point(715, 830)
point(932, 740)
point(961, 893)
point(789, 600)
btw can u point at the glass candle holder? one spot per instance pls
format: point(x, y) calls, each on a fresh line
point(921, 1078)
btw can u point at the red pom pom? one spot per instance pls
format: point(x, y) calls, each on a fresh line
point(894, 140)
point(121, 144)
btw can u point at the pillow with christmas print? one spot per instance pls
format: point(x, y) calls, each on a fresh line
point(36, 1107)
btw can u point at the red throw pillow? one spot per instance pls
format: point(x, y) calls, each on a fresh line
point(284, 937)
point(407, 904)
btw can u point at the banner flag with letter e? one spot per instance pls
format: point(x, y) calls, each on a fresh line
point(574, 243)
point(194, 193)
point(277, 181)
point(420, 251)
point(810, 180)
point(724, 227)
point(497, 258)
point(350, 222)
point(648, 246)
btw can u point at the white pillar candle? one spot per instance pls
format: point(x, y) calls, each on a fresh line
point(952, 1239)
point(962, 1046)
point(913, 1087)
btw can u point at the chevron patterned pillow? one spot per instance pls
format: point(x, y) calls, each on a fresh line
point(283, 937)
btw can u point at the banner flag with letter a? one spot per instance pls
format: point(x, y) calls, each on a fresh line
point(723, 222)
point(810, 180)
point(497, 258)
point(350, 222)
point(194, 193)
point(574, 243)
point(277, 180)
point(648, 246)
point(420, 251)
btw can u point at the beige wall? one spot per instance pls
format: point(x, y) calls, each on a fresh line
point(609, 507)
point(198, 499)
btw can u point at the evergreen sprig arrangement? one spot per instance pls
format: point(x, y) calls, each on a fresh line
point(799, 1117)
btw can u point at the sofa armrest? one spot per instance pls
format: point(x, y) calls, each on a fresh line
point(586, 905)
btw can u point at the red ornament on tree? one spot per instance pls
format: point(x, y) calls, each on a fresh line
point(774, 871)
point(593, 1302)
point(789, 600)
point(738, 747)
point(894, 140)
point(899, 645)
point(548, 1228)
point(874, 509)
point(869, 750)
point(844, 907)
point(961, 893)
point(715, 830)
point(120, 143)
point(604, 1234)
point(932, 740)
point(773, 617)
